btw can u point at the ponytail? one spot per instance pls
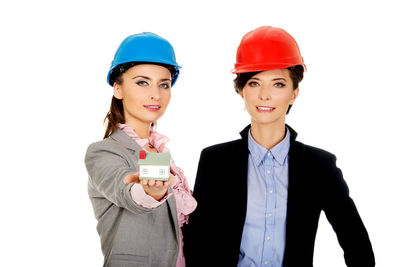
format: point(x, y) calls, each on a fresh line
point(114, 116)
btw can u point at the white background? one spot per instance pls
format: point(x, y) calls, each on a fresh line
point(54, 60)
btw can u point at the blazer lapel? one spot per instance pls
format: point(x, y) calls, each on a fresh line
point(172, 208)
point(125, 140)
point(241, 159)
point(295, 169)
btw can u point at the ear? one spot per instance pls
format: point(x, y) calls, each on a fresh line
point(240, 92)
point(117, 91)
point(294, 96)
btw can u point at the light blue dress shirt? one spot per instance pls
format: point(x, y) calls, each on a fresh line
point(264, 232)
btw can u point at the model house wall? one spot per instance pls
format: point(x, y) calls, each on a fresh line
point(154, 171)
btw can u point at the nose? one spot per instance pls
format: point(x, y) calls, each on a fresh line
point(264, 93)
point(154, 93)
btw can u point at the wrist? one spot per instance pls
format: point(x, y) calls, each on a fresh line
point(161, 196)
point(156, 194)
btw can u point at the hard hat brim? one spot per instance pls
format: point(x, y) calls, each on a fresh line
point(177, 69)
point(243, 68)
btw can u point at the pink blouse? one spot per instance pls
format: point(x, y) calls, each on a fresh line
point(185, 203)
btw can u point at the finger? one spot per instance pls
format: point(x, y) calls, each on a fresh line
point(171, 179)
point(158, 183)
point(144, 182)
point(131, 178)
point(151, 183)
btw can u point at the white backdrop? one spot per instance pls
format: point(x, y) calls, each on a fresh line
point(54, 60)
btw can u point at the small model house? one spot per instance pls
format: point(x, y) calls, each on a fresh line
point(154, 166)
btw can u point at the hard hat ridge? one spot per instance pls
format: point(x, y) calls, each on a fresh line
point(267, 48)
point(142, 48)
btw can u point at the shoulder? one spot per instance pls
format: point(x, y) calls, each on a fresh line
point(105, 146)
point(317, 152)
point(222, 148)
point(300, 149)
point(312, 154)
point(102, 144)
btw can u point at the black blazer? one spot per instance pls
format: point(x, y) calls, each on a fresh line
point(214, 232)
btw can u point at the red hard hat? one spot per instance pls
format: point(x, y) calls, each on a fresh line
point(267, 48)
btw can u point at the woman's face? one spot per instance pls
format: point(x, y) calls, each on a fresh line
point(145, 93)
point(267, 96)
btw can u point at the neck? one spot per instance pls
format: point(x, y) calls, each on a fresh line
point(268, 135)
point(142, 129)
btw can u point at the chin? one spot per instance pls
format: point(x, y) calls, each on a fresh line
point(265, 121)
point(152, 116)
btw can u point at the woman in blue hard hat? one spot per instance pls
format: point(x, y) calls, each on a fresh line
point(139, 222)
point(260, 197)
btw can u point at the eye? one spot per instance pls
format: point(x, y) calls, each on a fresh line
point(142, 83)
point(280, 85)
point(253, 84)
point(165, 85)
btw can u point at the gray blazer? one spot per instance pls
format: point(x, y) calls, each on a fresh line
point(130, 235)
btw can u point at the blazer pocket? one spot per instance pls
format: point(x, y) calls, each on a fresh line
point(128, 260)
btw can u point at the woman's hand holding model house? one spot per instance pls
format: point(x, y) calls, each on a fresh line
point(155, 189)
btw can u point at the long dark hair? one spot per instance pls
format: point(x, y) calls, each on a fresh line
point(114, 116)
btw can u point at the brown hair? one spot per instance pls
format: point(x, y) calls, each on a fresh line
point(295, 72)
point(116, 113)
point(114, 116)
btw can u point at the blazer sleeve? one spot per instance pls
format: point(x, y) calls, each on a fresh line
point(195, 239)
point(342, 214)
point(107, 166)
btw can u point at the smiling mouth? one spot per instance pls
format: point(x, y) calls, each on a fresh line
point(153, 107)
point(263, 109)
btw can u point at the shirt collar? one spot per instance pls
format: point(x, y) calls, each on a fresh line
point(156, 139)
point(279, 151)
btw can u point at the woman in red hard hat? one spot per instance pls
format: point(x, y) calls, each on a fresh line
point(139, 222)
point(260, 197)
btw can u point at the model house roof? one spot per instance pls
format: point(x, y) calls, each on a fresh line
point(150, 158)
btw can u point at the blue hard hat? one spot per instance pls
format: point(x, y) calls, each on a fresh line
point(145, 47)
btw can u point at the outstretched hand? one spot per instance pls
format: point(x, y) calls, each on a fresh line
point(132, 178)
point(155, 189)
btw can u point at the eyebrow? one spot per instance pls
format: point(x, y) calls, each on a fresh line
point(275, 79)
point(148, 78)
point(140, 76)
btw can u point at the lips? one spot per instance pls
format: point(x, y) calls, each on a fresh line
point(152, 107)
point(265, 109)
